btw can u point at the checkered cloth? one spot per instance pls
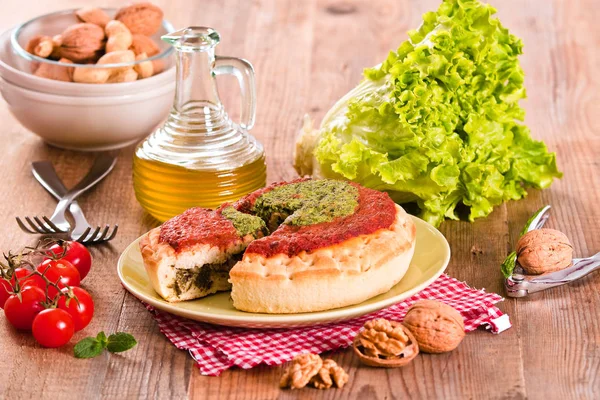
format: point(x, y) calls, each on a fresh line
point(217, 348)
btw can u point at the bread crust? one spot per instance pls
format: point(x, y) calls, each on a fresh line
point(151, 254)
point(334, 276)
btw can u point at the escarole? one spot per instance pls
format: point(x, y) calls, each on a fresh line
point(437, 121)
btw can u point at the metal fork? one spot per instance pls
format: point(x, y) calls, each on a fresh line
point(46, 175)
point(44, 172)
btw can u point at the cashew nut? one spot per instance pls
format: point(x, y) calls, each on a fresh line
point(144, 69)
point(119, 37)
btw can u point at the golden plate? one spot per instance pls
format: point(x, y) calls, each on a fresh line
point(431, 257)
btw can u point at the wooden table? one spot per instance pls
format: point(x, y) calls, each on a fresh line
point(307, 54)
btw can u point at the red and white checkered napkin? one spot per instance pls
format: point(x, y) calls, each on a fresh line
point(217, 348)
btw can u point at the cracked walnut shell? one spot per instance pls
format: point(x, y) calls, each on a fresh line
point(436, 326)
point(544, 250)
point(383, 343)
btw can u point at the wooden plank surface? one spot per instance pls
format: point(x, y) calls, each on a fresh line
point(306, 55)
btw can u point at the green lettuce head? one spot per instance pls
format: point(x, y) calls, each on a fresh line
point(437, 121)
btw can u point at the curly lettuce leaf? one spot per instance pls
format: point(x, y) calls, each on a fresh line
point(437, 121)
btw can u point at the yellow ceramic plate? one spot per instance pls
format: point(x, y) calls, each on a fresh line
point(431, 257)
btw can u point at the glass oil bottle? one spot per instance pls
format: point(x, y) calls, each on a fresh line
point(200, 157)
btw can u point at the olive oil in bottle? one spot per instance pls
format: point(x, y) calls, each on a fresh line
point(199, 157)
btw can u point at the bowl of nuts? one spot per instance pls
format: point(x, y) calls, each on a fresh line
point(86, 64)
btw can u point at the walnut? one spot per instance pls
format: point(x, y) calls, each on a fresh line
point(82, 42)
point(383, 343)
point(93, 15)
point(544, 250)
point(144, 44)
point(56, 72)
point(436, 326)
point(299, 373)
point(142, 18)
point(311, 369)
point(329, 374)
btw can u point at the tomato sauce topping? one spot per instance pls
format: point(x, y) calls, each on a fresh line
point(375, 211)
point(198, 226)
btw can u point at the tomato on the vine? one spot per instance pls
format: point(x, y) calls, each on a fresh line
point(19, 274)
point(21, 312)
point(5, 290)
point(53, 327)
point(80, 309)
point(27, 277)
point(33, 280)
point(61, 272)
point(75, 253)
point(6, 287)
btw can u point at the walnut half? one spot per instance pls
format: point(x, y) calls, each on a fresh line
point(311, 369)
point(329, 374)
point(300, 371)
point(384, 343)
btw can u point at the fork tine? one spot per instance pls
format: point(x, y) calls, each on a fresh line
point(34, 226)
point(102, 236)
point(91, 236)
point(52, 225)
point(81, 238)
point(113, 234)
point(98, 235)
point(43, 227)
point(23, 227)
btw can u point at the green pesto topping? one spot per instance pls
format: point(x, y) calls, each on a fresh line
point(307, 203)
point(244, 224)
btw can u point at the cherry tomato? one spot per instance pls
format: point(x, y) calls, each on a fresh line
point(81, 313)
point(61, 272)
point(21, 312)
point(53, 327)
point(20, 273)
point(27, 278)
point(33, 280)
point(77, 254)
point(5, 288)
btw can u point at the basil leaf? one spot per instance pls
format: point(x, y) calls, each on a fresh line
point(88, 348)
point(509, 264)
point(120, 341)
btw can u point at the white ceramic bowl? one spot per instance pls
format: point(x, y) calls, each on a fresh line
point(81, 116)
point(89, 123)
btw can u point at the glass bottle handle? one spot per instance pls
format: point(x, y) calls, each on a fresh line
point(244, 72)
